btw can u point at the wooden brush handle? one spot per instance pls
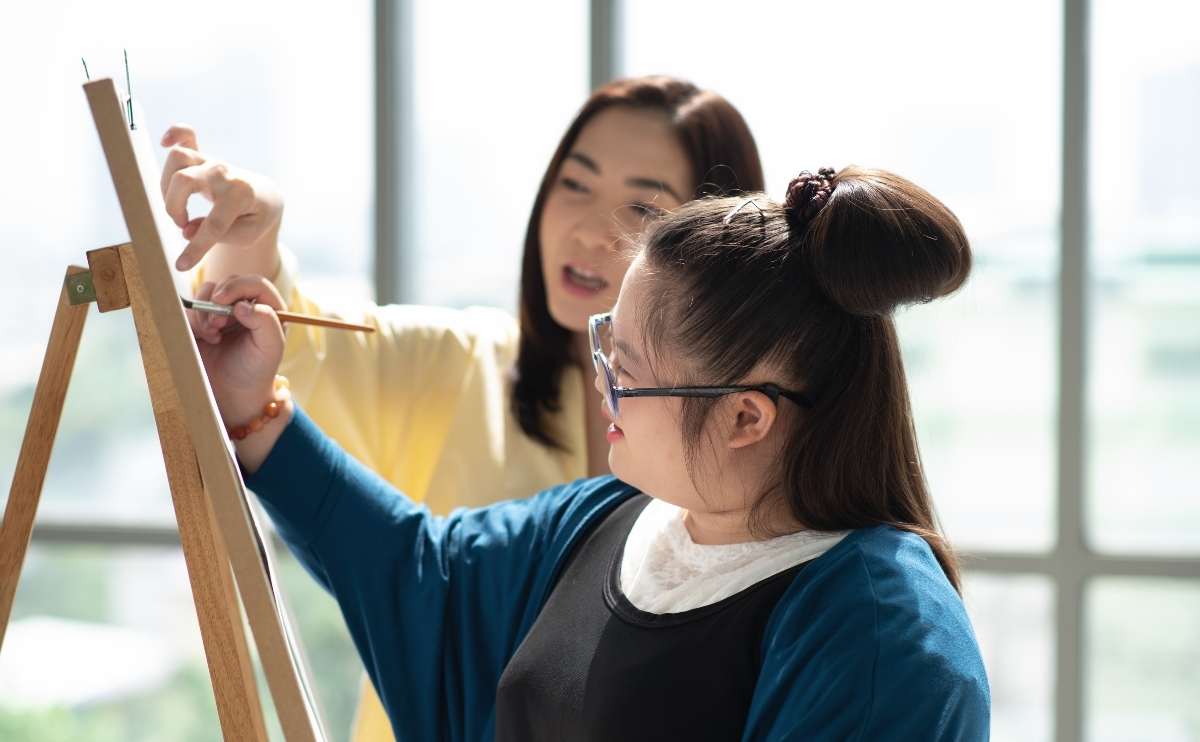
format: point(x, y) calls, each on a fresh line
point(308, 319)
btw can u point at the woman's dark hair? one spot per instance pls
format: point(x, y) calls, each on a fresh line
point(724, 160)
point(805, 292)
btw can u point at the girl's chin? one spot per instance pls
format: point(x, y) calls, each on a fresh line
point(620, 468)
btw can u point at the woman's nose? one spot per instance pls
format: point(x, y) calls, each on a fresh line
point(598, 231)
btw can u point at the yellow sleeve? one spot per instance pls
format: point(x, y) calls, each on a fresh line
point(389, 397)
point(371, 723)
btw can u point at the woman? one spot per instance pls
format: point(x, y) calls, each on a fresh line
point(767, 565)
point(468, 407)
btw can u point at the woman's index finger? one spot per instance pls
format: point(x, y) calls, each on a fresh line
point(181, 134)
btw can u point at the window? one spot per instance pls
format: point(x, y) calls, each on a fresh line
point(1144, 370)
point(103, 580)
point(980, 364)
point(829, 85)
point(1143, 402)
point(482, 138)
point(1018, 465)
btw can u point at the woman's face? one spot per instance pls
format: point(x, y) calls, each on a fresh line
point(626, 165)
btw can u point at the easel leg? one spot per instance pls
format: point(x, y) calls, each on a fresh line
point(217, 607)
point(34, 459)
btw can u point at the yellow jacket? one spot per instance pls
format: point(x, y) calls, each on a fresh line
point(425, 402)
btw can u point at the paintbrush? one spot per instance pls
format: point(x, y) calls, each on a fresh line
point(226, 310)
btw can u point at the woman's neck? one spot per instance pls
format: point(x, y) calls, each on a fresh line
point(581, 352)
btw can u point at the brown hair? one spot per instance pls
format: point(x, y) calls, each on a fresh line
point(724, 160)
point(808, 290)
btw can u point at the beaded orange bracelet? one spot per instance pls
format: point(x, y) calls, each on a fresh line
point(270, 411)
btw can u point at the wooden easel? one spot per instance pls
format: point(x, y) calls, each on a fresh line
point(113, 284)
point(215, 526)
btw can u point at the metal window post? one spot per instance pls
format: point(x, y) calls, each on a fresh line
point(394, 134)
point(604, 42)
point(1073, 555)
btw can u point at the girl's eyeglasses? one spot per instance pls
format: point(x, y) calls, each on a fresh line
point(600, 334)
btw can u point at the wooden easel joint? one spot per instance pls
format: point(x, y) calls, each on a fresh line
point(80, 289)
point(104, 283)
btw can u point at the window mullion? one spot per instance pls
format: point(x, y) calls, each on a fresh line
point(1072, 555)
point(604, 42)
point(394, 134)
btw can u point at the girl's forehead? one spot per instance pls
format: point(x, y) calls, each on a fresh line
point(634, 303)
point(630, 299)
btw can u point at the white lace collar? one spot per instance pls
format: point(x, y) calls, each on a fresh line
point(664, 571)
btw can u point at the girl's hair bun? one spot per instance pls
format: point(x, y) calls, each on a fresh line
point(874, 241)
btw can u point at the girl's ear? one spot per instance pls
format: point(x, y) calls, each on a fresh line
point(754, 415)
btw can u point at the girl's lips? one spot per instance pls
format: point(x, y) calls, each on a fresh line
point(614, 433)
point(580, 285)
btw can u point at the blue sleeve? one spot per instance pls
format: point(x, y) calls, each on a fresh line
point(436, 605)
point(870, 645)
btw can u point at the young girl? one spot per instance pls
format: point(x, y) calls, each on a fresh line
point(469, 407)
point(766, 565)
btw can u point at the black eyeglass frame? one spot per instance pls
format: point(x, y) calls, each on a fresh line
point(615, 393)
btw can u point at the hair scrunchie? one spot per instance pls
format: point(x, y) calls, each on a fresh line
point(807, 194)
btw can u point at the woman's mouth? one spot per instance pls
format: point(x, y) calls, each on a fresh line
point(614, 433)
point(582, 282)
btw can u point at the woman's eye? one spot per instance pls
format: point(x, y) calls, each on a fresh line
point(574, 185)
point(645, 209)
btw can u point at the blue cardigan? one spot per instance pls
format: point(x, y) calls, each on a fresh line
point(870, 642)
